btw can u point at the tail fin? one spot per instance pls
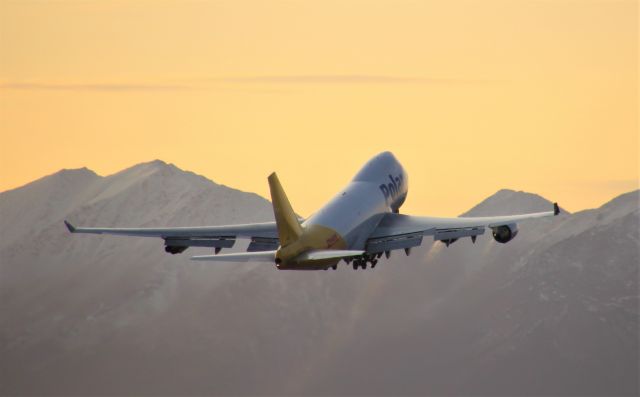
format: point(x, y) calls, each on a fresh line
point(289, 229)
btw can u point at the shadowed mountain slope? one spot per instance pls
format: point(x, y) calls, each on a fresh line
point(554, 312)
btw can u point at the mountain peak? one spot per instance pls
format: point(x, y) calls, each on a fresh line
point(155, 164)
point(73, 173)
point(621, 205)
point(508, 201)
point(61, 178)
point(632, 197)
point(149, 168)
point(76, 171)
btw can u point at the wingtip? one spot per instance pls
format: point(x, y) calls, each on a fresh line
point(70, 227)
point(556, 209)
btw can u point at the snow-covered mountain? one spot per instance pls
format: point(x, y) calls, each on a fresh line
point(554, 312)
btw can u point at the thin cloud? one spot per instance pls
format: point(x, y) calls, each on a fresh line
point(343, 79)
point(104, 87)
point(218, 83)
point(606, 185)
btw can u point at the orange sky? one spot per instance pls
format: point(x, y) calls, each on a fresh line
point(471, 96)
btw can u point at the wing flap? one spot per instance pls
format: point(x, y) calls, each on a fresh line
point(394, 242)
point(454, 234)
point(263, 244)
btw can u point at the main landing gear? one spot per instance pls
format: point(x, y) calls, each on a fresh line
point(364, 260)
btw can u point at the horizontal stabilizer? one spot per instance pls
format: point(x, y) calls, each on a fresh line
point(328, 254)
point(261, 256)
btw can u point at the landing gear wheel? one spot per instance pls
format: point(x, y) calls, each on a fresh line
point(355, 266)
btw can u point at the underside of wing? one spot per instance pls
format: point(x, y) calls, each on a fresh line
point(397, 231)
point(263, 236)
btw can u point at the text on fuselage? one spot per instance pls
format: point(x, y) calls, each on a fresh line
point(391, 190)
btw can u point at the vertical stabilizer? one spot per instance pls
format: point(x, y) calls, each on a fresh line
point(289, 229)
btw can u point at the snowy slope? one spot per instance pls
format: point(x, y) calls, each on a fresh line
point(553, 312)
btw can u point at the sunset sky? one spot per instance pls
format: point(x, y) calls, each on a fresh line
point(471, 96)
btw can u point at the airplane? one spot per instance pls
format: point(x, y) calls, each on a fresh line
point(357, 226)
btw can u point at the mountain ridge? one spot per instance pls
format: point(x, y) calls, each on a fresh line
point(527, 202)
point(528, 317)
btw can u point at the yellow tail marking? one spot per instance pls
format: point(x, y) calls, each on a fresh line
point(289, 229)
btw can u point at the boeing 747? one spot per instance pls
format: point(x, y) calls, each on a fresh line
point(360, 224)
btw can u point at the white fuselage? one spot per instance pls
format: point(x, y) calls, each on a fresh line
point(379, 187)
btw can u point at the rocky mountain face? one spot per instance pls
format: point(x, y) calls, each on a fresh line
point(554, 312)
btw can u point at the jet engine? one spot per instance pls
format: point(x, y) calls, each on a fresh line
point(174, 249)
point(504, 234)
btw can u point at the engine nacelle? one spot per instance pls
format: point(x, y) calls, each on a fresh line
point(504, 234)
point(175, 249)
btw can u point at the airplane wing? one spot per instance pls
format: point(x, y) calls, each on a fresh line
point(397, 231)
point(264, 236)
